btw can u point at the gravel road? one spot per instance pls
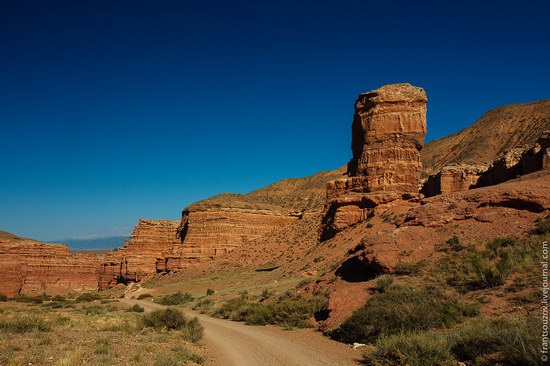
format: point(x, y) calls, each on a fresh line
point(236, 344)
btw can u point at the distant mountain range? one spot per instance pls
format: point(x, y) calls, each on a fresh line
point(93, 244)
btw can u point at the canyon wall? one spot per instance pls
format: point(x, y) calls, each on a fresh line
point(29, 267)
point(152, 242)
point(388, 132)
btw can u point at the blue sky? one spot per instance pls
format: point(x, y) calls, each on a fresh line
point(115, 110)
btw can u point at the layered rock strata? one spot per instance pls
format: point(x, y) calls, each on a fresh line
point(150, 247)
point(29, 267)
point(453, 178)
point(388, 130)
point(518, 161)
point(209, 229)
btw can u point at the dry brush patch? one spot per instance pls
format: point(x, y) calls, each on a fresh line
point(434, 317)
point(92, 333)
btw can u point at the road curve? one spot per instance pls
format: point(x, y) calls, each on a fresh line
point(236, 344)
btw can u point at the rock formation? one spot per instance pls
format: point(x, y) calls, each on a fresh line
point(29, 267)
point(148, 251)
point(518, 161)
point(513, 163)
point(453, 178)
point(212, 228)
point(388, 132)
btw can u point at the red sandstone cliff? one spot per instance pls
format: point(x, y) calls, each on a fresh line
point(29, 267)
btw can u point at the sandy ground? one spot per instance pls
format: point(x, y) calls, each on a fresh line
point(232, 343)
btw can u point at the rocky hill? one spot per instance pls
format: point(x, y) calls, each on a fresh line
point(497, 131)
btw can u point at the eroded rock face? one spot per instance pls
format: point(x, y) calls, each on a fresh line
point(147, 252)
point(388, 132)
point(208, 232)
point(518, 161)
point(158, 246)
point(453, 178)
point(29, 267)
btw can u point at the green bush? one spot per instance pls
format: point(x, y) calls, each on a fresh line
point(178, 298)
point(508, 341)
point(453, 244)
point(103, 345)
point(542, 227)
point(472, 270)
point(410, 269)
point(203, 305)
point(31, 299)
point(24, 324)
point(210, 292)
point(174, 319)
point(235, 309)
point(137, 308)
point(383, 282)
point(170, 318)
point(144, 296)
point(411, 349)
point(88, 297)
point(193, 331)
point(59, 298)
point(402, 308)
point(290, 312)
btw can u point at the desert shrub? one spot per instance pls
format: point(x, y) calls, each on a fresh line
point(402, 308)
point(289, 312)
point(451, 245)
point(59, 298)
point(542, 227)
point(88, 297)
point(509, 341)
point(203, 305)
point(102, 346)
point(137, 308)
point(31, 299)
point(411, 269)
point(174, 319)
point(383, 282)
point(235, 309)
point(185, 355)
point(24, 324)
point(3, 298)
point(165, 360)
point(411, 349)
point(94, 310)
point(265, 294)
point(144, 296)
point(193, 331)
point(472, 270)
point(210, 292)
point(170, 318)
point(178, 298)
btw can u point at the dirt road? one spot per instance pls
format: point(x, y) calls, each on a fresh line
point(236, 344)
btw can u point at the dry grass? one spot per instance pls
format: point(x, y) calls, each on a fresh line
point(110, 335)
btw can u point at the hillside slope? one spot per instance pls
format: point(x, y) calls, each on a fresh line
point(498, 130)
point(296, 194)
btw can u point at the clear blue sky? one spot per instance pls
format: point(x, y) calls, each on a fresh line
point(115, 110)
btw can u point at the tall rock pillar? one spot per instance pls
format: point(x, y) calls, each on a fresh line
point(388, 130)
